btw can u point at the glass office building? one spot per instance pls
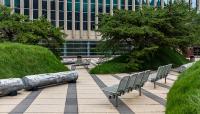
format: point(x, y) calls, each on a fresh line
point(78, 18)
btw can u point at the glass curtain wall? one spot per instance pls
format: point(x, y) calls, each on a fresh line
point(61, 14)
point(35, 9)
point(53, 12)
point(122, 4)
point(17, 6)
point(77, 14)
point(61, 5)
point(69, 14)
point(129, 4)
point(49, 10)
point(44, 8)
point(7, 3)
point(26, 7)
point(85, 14)
point(92, 19)
point(114, 4)
point(107, 6)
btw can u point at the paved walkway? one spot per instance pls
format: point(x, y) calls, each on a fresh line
point(86, 97)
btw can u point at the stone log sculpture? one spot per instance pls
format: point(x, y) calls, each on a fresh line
point(33, 82)
point(184, 67)
point(10, 86)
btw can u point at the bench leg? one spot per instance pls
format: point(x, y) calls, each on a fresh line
point(73, 68)
point(165, 80)
point(116, 101)
point(154, 83)
point(140, 91)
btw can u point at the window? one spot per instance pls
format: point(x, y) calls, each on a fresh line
point(7, 3)
point(85, 14)
point(122, 4)
point(44, 8)
point(17, 6)
point(53, 12)
point(35, 9)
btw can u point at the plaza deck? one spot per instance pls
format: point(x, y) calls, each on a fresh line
point(86, 97)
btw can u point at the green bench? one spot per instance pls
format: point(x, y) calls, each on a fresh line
point(162, 72)
point(81, 62)
point(127, 84)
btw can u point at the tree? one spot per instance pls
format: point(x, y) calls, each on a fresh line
point(18, 28)
point(146, 28)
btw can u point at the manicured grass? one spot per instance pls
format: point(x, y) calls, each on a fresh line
point(162, 57)
point(184, 96)
point(18, 60)
point(109, 67)
point(120, 64)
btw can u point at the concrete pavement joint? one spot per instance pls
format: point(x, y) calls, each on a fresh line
point(24, 104)
point(123, 108)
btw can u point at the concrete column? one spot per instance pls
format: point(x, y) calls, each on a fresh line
point(2, 2)
point(89, 18)
point(65, 16)
point(119, 4)
point(133, 5)
point(48, 10)
point(162, 4)
point(126, 4)
point(190, 4)
point(81, 18)
point(96, 16)
point(148, 3)
point(73, 18)
point(22, 7)
point(104, 6)
point(12, 6)
point(198, 6)
point(31, 9)
point(39, 8)
point(155, 3)
point(57, 12)
point(111, 7)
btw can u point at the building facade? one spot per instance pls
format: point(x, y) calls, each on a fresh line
point(78, 18)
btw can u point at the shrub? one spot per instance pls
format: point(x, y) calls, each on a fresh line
point(184, 96)
point(123, 63)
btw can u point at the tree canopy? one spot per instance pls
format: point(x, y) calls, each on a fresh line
point(174, 26)
point(18, 28)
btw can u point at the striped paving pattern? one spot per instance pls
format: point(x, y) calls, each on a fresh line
point(87, 97)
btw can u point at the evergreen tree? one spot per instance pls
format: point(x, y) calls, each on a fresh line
point(18, 28)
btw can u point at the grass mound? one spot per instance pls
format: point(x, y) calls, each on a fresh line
point(184, 96)
point(18, 60)
point(120, 64)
